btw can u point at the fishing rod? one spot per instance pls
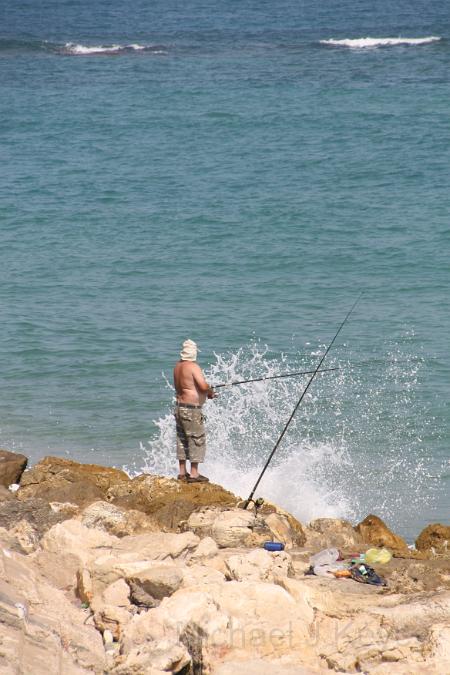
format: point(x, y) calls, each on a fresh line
point(271, 377)
point(250, 497)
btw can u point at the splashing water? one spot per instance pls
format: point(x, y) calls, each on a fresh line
point(354, 446)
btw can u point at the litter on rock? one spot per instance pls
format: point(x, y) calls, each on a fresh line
point(330, 563)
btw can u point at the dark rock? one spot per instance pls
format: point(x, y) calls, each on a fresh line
point(12, 466)
point(167, 500)
point(36, 512)
point(140, 597)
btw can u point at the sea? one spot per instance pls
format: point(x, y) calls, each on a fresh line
point(237, 173)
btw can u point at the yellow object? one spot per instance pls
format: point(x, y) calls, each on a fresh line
point(377, 555)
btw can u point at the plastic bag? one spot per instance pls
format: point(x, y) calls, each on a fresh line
point(377, 555)
point(325, 557)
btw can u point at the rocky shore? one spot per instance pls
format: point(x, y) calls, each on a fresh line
point(100, 573)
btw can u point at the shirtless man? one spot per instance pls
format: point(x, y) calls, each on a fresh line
point(192, 390)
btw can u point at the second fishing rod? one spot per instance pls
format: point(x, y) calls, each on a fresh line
point(269, 459)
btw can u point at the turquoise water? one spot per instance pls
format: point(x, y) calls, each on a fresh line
point(224, 173)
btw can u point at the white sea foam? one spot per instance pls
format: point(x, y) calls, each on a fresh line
point(372, 43)
point(350, 449)
point(84, 50)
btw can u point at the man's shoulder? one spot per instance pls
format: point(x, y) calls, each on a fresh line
point(188, 366)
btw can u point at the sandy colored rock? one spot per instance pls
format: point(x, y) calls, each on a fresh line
point(12, 466)
point(41, 631)
point(133, 555)
point(5, 494)
point(155, 659)
point(110, 617)
point(82, 543)
point(282, 530)
point(84, 588)
point(262, 667)
point(374, 531)
point(206, 549)
point(435, 538)
point(62, 480)
point(231, 528)
point(333, 533)
point(110, 518)
point(26, 536)
point(259, 565)
point(201, 521)
point(159, 581)
point(117, 594)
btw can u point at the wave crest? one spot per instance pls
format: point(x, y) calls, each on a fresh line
point(76, 49)
point(373, 43)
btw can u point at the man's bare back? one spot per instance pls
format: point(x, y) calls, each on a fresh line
point(190, 384)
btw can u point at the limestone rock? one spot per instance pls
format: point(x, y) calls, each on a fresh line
point(42, 632)
point(110, 518)
point(160, 545)
point(261, 667)
point(159, 581)
point(283, 530)
point(189, 617)
point(60, 480)
point(117, 594)
point(259, 565)
point(69, 509)
point(78, 543)
point(332, 533)
point(374, 531)
point(296, 529)
point(12, 466)
point(110, 617)
point(140, 597)
point(5, 494)
point(435, 537)
point(26, 536)
point(36, 512)
point(206, 549)
point(155, 658)
point(133, 555)
point(84, 588)
point(200, 522)
point(201, 576)
point(231, 528)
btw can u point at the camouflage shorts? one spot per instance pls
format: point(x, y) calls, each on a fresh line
point(191, 438)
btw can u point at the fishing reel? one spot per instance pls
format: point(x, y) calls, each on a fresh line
point(257, 503)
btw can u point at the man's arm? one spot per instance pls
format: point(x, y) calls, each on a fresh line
point(201, 383)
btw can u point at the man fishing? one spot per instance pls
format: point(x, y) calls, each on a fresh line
point(191, 392)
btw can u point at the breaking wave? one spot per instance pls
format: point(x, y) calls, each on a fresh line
point(372, 43)
point(354, 446)
point(85, 50)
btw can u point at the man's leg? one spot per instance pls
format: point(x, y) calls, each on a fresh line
point(182, 468)
point(194, 470)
